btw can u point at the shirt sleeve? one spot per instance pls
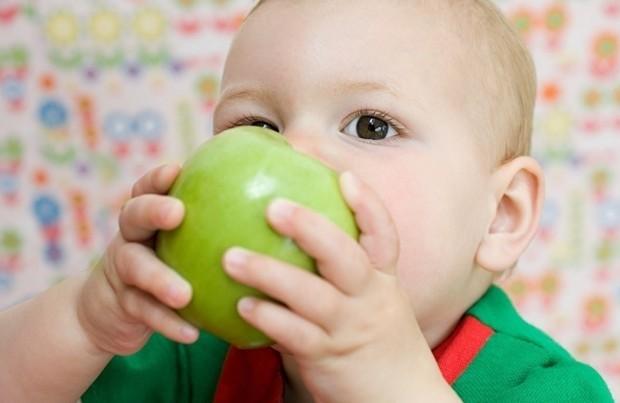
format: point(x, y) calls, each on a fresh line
point(162, 371)
point(564, 381)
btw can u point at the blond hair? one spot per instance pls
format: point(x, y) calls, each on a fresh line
point(502, 75)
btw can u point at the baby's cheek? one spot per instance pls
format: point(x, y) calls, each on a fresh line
point(425, 257)
point(417, 263)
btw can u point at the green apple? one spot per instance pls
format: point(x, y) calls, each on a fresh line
point(226, 186)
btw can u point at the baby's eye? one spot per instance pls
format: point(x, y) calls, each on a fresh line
point(254, 121)
point(264, 125)
point(369, 127)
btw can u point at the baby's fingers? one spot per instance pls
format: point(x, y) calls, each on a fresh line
point(378, 237)
point(158, 180)
point(143, 215)
point(137, 266)
point(156, 316)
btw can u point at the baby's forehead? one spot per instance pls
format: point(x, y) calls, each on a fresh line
point(413, 29)
point(405, 41)
point(435, 10)
point(435, 29)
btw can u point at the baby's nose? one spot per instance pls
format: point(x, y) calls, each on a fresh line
point(313, 145)
point(305, 143)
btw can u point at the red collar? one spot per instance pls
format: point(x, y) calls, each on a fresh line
point(256, 376)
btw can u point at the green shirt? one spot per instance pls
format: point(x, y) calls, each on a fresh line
point(492, 356)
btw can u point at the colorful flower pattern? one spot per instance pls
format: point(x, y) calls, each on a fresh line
point(91, 96)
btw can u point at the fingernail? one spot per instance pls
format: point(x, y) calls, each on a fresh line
point(246, 305)
point(280, 210)
point(164, 172)
point(171, 167)
point(349, 184)
point(178, 291)
point(235, 259)
point(170, 208)
point(189, 333)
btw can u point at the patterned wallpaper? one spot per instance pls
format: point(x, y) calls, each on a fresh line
point(93, 93)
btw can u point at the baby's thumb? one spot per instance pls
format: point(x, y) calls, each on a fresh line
point(378, 235)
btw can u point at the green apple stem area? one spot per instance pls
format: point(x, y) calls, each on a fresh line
point(226, 186)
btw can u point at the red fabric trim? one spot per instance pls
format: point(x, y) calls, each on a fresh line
point(251, 376)
point(456, 352)
point(256, 376)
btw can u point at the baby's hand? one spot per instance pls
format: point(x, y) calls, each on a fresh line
point(131, 293)
point(352, 332)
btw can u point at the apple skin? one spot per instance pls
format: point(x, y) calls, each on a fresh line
point(226, 186)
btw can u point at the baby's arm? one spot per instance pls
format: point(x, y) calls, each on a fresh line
point(53, 346)
point(45, 353)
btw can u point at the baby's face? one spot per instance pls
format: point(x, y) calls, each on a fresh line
point(374, 87)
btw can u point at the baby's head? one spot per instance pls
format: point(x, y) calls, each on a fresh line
point(429, 102)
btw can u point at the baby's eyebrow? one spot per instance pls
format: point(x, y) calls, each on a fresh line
point(337, 87)
point(245, 94)
point(352, 86)
point(364, 86)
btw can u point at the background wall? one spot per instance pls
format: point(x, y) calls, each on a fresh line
point(92, 93)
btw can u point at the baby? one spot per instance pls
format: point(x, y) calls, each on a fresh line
point(425, 109)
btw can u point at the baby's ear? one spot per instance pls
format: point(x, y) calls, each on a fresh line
point(518, 192)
